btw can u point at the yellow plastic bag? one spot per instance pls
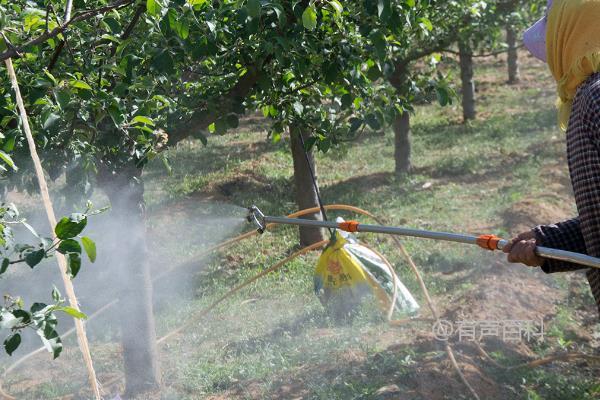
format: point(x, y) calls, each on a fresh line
point(341, 282)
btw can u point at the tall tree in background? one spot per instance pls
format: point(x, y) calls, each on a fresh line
point(404, 33)
point(466, 78)
point(514, 75)
point(517, 14)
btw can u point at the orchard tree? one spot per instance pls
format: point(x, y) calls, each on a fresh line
point(320, 86)
point(402, 33)
point(485, 36)
point(88, 108)
point(518, 15)
point(113, 86)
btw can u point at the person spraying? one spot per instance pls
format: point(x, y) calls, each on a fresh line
point(568, 40)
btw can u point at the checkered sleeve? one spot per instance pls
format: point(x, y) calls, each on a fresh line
point(583, 148)
point(581, 234)
point(564, 235)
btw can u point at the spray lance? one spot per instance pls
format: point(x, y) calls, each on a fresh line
point(488, 242)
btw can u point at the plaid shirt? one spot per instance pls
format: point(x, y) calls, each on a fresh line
point(580, 234)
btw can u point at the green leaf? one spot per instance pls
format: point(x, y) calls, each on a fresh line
point(113, 24)
point(8, 320)
point(337, 6)
point(74, 264)
point(8, 160)
point(167, 164)
point(112, 38)
point(33, 258)
point(115, 113)
point(357, 102)
point(309, 18)
point(355, 124)
point(51, 120)
point(281, 17)
point(9, 145)
point(298, 108)
point(346, 101)
point(310, 143)
point(442, 96)
point(55, 294)
point(373, 122)
point(380, 43)
point(68, 228)
point(51, 340)
point(39, 308)
point(426, 23)
point(63, 97)
point(90, 248)
point(142, 120)
point(50, 76)
point(183, 29)
point(71, 311)
point(152, 7)
point(78, 84)
point(232, 120)
point(163, 62)
point(5, 264)
point(22, 315)
point(197, 3)
point(383, 7)
point(12, 343)
point(69, 246)
point(254, 8)
point(212, 26)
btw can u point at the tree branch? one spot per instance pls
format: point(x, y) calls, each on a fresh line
point(61, 44)
point(494, 53)
point(68, 8)
point(134, 20)
point(16, 50)
point(301, 87)
point(201, 120)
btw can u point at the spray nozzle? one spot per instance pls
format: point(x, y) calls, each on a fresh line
point(256, 217)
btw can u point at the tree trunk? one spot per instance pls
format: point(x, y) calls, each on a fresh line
point(306, 195)
point(402, 143)
point(513, 58)
point(468, 85)
point(130, 257)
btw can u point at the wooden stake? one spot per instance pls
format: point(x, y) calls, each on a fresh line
point(60, 259)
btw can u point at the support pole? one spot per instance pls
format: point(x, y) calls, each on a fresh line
point(60, 259)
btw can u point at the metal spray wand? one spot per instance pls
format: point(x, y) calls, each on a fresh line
point(488, 242)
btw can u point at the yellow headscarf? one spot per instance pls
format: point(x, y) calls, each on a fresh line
point(573, 48)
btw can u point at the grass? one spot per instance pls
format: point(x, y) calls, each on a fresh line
point(273, 340)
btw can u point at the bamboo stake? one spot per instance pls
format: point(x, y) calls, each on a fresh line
point(60, 259)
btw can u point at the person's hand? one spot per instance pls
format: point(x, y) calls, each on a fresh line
point(521, 249)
